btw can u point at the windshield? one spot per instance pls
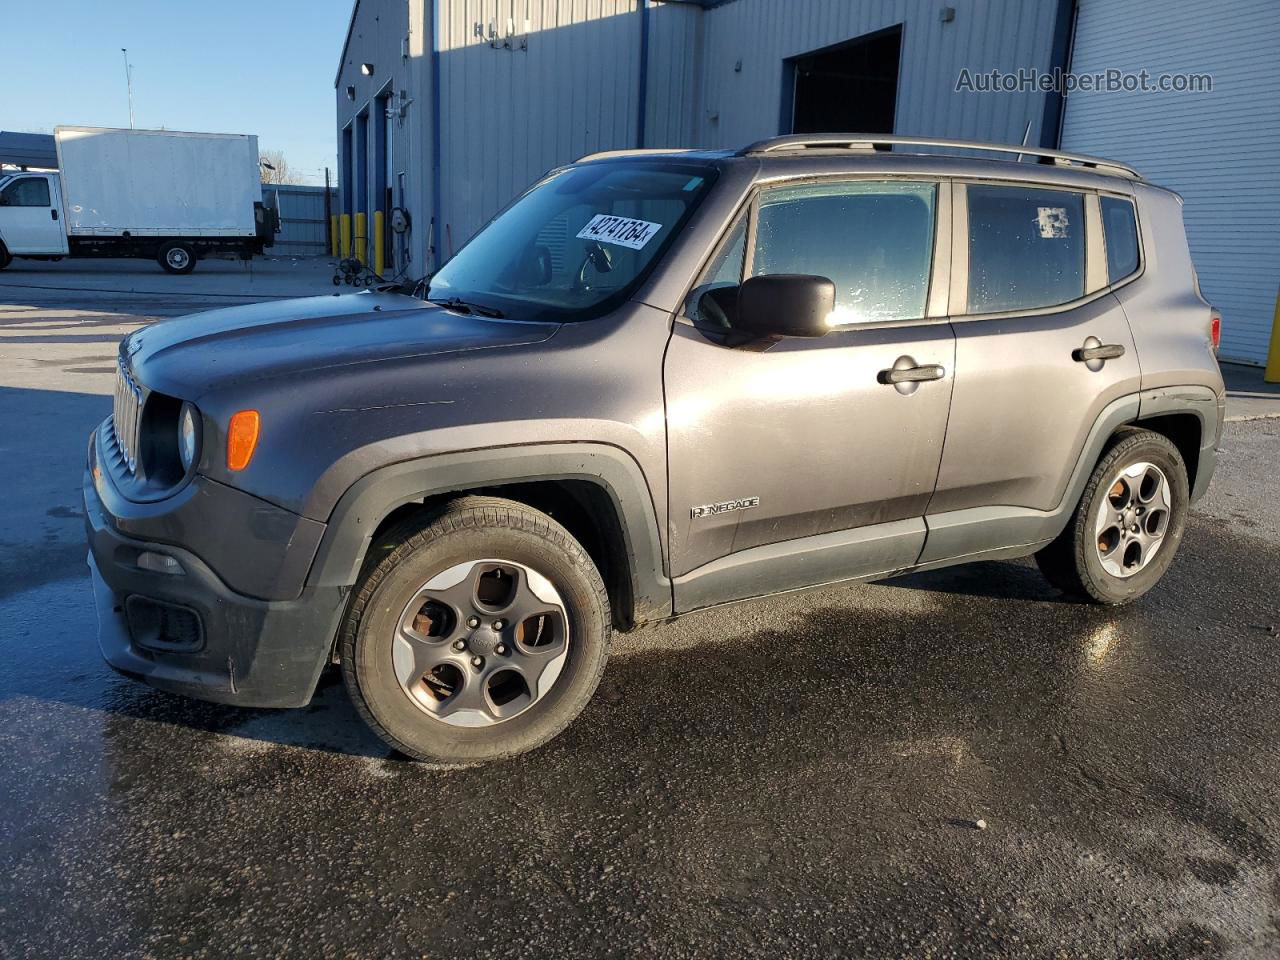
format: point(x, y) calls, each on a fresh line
point(576, 244)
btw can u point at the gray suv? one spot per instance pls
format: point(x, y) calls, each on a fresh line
point(656, 382)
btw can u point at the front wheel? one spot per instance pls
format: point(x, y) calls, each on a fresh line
point(481, 633)
point(177, 257)
point(1128, 525)
point(5, 259)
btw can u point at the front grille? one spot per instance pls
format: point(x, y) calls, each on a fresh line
point(126, 416)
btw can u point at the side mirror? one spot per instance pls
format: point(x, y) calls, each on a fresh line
point(785, 305)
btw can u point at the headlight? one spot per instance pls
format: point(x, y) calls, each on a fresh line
point(188, 436)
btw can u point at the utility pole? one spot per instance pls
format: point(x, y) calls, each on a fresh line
point(128, 80)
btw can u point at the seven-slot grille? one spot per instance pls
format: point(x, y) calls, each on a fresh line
point(126, 416)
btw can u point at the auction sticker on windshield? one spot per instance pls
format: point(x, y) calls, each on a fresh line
point(622, 231)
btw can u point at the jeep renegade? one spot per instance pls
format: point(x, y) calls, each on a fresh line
point(658, 381)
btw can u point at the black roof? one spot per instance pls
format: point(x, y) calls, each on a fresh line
point(28, 150)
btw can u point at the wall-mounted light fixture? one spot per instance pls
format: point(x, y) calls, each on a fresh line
point(366, 69)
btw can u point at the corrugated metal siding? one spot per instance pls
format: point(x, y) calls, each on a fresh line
point(675, 63)
point(741, 106)
point(1220, 150)
point(379, 30)
point(304, 229)
point(509, 115)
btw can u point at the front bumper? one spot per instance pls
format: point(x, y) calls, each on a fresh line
point(247, 651)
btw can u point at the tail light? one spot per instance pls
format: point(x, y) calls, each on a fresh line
point(1215, 329)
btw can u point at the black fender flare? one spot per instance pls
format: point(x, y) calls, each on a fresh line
point(371, 499)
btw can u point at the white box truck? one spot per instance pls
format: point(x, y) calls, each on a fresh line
point(138, 193)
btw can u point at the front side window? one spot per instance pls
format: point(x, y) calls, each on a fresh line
point(872, 239)
point(576, 244)
point(1026, 248)
point(1120, 229)
point(27, 192)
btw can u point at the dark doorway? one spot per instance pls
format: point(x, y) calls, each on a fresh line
point(851, 87)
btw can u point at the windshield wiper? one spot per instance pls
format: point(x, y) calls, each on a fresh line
point(463, 306)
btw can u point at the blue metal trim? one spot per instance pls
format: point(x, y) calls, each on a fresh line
point(1059, 59)
point(437, 189)
point(642, 99)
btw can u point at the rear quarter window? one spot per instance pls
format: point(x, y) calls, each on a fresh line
point(1026, 248)
point(1120, 228)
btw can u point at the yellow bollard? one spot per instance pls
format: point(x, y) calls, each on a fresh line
point(362, 235)
point(346, 235)
point(333, 235)
point(379, 255)
point(1272, 374)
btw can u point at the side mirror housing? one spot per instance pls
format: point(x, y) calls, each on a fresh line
point(785, 305)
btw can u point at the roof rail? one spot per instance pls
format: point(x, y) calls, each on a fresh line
point(872, 143)
point(609, 154)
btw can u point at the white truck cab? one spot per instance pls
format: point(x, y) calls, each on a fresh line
point(31, 216)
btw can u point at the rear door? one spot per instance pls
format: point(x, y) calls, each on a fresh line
point(797, 461)
point(1041, 349)
point(30, 220)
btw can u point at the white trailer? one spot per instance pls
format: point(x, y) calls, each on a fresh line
point(138, 193)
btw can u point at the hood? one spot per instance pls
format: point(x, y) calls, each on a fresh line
point(188, 356)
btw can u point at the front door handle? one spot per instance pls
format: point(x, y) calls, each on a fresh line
point(53, 214)
point(906, 375)
point(913, 374)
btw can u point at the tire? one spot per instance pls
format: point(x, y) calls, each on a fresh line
point(407, 703)
point(5, 258)
point(1099, 557)
point(177, 257)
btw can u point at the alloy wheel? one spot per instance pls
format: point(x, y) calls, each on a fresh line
point(1132, 519)
point(481, 642)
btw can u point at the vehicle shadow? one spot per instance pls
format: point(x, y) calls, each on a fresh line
point(996, 579)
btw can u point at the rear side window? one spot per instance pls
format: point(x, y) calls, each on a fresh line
point(1026, 248)
point(27, 192)
point(1120, 227)
point(873, 239)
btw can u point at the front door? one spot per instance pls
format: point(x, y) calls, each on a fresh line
point(1041, 350)
point(29, 216)
point(800, 461)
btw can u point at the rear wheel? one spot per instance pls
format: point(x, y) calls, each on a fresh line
point(480, 634)
point(1128, 525)
point(5, 259)
point(177, 257)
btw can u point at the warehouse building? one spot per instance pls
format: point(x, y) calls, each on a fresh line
point(446, 109)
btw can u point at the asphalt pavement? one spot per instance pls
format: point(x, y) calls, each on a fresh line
point(798, 777)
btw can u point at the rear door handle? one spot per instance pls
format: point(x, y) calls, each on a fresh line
point(912, 374)
point(53, 214)
point(1097, 351)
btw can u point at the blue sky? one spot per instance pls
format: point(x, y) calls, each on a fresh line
point(223, 66)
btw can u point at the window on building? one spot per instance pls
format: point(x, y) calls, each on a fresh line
point(874, 240)
point(1026, 248)
point(1120, 227)
point(27, 192)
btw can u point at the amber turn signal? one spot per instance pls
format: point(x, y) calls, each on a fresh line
point(242, 438)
